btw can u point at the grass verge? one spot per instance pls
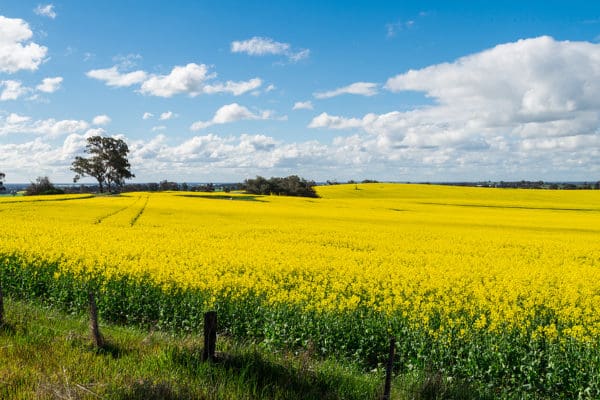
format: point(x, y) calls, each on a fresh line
point(45, 354)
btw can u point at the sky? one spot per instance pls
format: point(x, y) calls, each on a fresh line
point(221, 91)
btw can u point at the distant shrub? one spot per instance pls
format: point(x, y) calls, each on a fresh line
point(292, 185)
point(42, 186)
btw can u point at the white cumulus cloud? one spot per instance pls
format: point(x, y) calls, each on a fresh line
point(231, 113)
point(13, 119)
point(147, 115)
point(359, 88)
point(101, 120)
point(303, 105)
point(191, 79)
point(528, 80)
point(325, 120)
point(167, 115)
point(188, 79)
point(50, 85)
point(235, 88)
point(12, 90)
point(113, 77)
point(15, 124)
point(261, 46)
point(53, 128)
point(16, 51)
point(45, 10)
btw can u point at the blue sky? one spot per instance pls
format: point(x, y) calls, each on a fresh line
point(223, 91)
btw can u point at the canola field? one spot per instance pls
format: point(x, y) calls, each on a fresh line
point(497, 286)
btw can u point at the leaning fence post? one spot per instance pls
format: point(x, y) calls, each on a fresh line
point(210, 336)
point(95, 331)
point(388, 371)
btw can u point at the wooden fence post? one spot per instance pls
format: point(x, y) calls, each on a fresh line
point(210, 336)
point(95, 331)
point(388, 371)
point(1, 307)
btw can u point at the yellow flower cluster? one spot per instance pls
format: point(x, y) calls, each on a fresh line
point(450, 260)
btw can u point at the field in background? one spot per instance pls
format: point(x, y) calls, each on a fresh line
point(498, 286)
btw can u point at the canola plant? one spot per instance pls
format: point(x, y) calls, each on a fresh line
point(453, 270)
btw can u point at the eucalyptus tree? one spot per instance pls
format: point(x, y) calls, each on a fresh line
point(107, 163)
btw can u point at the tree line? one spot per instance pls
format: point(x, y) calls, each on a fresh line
point(108, 164)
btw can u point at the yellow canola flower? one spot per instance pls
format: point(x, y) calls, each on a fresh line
point(453, 261)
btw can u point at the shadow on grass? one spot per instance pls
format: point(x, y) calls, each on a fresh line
point(147, 390)
point(7, 329)
point(223, 197)
point(260, 377)
point(110, 349)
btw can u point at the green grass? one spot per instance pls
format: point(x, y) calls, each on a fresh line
point(48, 355)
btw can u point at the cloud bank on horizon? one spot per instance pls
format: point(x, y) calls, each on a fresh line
point(521, 109)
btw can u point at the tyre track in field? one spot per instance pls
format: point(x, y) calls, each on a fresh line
point(139, 214)
point(99, 220)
